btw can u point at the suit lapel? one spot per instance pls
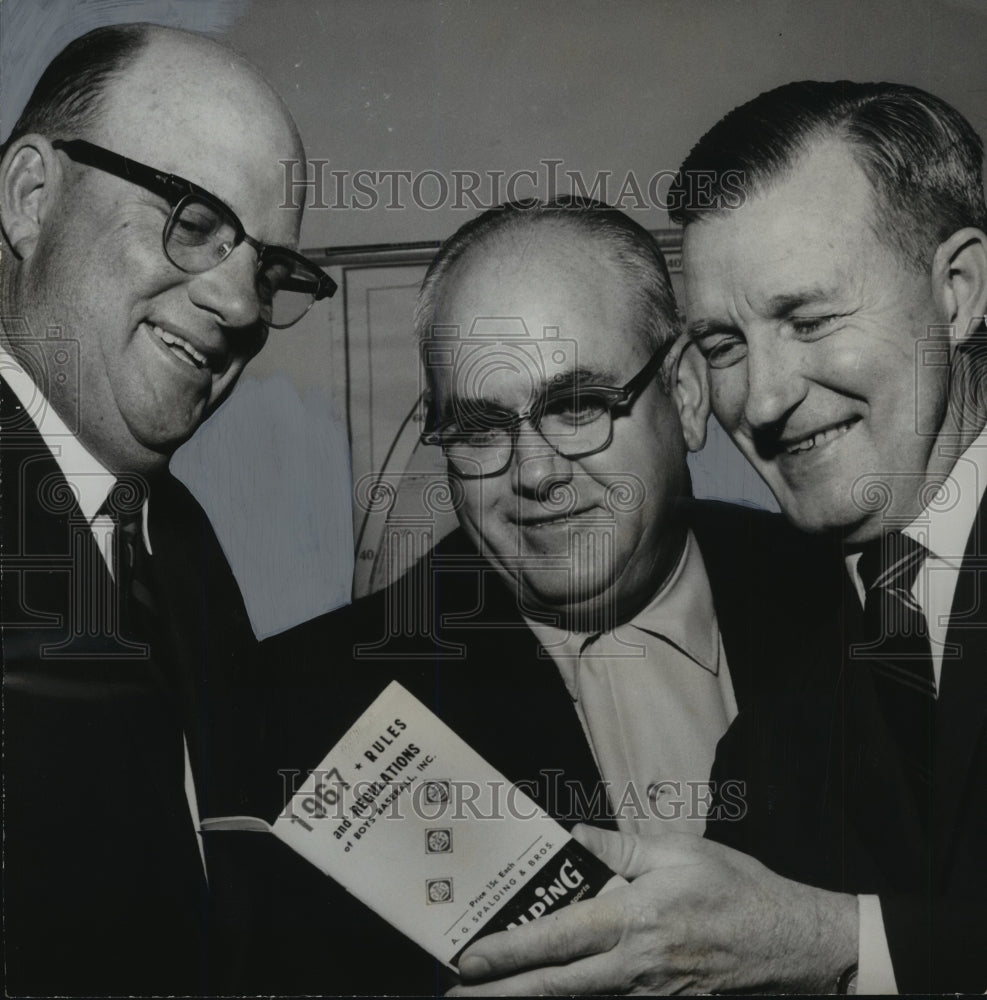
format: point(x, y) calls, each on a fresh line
point(65, 597)
point(883, 836)
point(962, 709)
point(771, 587)
point(79, 697)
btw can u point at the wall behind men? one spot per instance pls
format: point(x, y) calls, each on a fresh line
point(606, 90)
point(482, 85)
point(432, 97)
point(479, 90)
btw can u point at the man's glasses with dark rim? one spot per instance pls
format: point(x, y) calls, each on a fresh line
point(469, 438)
point(202, 231)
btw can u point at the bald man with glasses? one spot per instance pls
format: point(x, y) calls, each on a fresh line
point(588, 629)
point(132, 298)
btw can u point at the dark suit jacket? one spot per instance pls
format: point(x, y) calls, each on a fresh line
point(451, 632)
point(828, 803)
point(104, 890)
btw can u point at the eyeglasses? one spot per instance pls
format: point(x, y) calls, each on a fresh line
point(201, 232)
point(577, 420)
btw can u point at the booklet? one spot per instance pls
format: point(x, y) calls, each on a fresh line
point(410, 820)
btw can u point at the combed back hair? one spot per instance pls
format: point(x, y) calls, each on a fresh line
point(922, 157)
point(68, 98)
point(621, 239)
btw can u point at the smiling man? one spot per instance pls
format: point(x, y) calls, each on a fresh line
point(531, 358)
point(841, 310)
point(145, 254)
point(838, 294)
point(588, 628)
point(815, 356)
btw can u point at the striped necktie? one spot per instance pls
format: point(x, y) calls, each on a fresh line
point(898, 652)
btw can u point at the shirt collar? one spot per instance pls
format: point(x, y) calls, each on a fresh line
point(681, 613)
point(90, 480)
point(944, 525)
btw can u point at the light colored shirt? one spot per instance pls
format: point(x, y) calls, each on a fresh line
point(654, 696)
point(91, 483)
point(944, 528)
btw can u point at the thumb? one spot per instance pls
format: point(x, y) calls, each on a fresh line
point(623, 853)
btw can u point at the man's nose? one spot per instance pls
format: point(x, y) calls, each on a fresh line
point(538, 467)
point(776, 381)
point(229, 290)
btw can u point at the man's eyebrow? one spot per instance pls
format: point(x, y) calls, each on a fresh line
point(560, 381)
point(471, 404)
point(778, 306)
point(700, 328)
point(584, 376)
point(786, 303)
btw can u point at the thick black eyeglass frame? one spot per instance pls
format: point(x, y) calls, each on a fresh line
point(616, 397)
point(176, 190)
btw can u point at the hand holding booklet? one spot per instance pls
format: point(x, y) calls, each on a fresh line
point(410, 820)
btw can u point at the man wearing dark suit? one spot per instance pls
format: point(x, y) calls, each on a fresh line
point(587, 629)
point(131, 301)
point(852, 381)
point(836, 282)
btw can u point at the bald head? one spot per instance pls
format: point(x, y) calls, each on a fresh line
point(184, 84)
point(195, 108)
point(159, 346)
point(68, 98)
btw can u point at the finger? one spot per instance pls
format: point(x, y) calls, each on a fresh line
point(598, 975)
point(582, 929)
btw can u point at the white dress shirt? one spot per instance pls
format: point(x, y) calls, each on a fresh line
point(91, 483)
point(944, 528)
point(654, 696)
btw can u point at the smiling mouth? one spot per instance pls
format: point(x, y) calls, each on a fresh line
point(553, 519)
point(180, 348)
point(819, 439)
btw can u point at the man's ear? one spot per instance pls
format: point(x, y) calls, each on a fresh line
point(959, 279)
point(690, 391)
point(27, 173)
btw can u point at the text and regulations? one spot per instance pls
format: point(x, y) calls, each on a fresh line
point(414, 823)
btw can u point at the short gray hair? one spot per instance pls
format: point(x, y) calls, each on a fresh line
point(922, 157)
point(628, 244)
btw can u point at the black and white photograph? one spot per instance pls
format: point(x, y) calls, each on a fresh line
point(492, 497)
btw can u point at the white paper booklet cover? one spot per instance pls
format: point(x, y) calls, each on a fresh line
point(414, 823)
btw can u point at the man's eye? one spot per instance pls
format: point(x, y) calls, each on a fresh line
point(194, 225)
point(725, 352)
point(806, 326)
point(575, 409)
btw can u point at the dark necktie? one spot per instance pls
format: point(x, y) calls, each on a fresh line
point(898, 652)
point(131, 560)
